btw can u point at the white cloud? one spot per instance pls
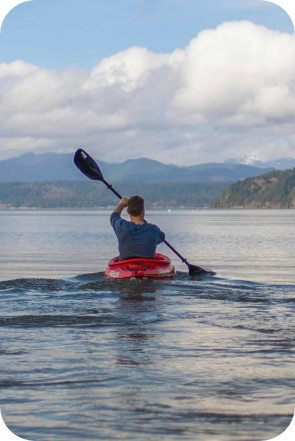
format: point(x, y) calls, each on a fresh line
point(234, 75)
point(235, 81)
point(130, 69)
point(16, 69)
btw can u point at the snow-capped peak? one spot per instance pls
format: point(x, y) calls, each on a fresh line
point(248, 159)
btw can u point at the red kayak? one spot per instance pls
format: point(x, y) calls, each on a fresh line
point(141, 268)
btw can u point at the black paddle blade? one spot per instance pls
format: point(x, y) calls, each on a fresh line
point(87, 165)
point(195, 270)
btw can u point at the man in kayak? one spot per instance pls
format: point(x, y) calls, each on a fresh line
point(136, 238)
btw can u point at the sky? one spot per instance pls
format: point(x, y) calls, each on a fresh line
point(178, 81)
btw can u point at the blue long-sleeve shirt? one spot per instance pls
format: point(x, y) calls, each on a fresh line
point(136, 240)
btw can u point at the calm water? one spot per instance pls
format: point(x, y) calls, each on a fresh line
point(83, 358)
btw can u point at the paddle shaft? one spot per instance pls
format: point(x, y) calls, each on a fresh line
point(110, 187)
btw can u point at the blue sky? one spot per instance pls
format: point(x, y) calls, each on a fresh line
point(72, 33)
point(179, 81)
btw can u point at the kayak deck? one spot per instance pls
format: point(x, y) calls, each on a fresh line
point(141, 268)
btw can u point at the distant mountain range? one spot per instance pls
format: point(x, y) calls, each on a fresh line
point(278, 164)
point(60, 167)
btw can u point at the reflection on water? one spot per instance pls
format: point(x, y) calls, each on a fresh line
point(83, 358)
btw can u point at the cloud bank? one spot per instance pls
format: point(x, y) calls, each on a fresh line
point(230, 92)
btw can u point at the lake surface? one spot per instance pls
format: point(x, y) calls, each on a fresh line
point(85, 358)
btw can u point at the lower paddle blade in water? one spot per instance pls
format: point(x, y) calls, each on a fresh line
point(195, 270)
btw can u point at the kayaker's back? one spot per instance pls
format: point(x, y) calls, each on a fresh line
point(136, 240)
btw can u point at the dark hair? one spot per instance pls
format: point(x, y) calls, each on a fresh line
point(135, 205)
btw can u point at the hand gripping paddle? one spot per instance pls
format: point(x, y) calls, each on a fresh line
point(86, 164)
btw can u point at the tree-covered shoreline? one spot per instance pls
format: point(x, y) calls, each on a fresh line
point(274, 190)
point(79, 194)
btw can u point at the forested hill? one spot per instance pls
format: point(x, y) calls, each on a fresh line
point(95, 195)
point(270, 190)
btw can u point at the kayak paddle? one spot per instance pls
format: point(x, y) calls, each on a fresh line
point(86, 164)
